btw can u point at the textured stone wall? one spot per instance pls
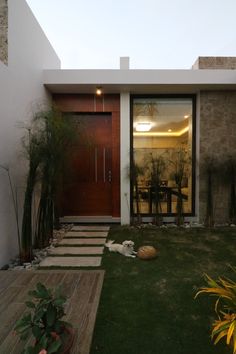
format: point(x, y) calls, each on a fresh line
point(217, 139)
point(3, 31)
point(222, 63)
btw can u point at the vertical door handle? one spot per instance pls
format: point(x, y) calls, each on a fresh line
point(96, 164)
point(109, 176)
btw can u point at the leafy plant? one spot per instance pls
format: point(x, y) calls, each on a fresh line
point(44, 321)
point(225, 307)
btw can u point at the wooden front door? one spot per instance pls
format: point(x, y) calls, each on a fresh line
point(87, 184)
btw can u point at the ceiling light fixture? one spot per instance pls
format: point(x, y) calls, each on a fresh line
point(143, 126)
point(169, 130)
point(99, 91)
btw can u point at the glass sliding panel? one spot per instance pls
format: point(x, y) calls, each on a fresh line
point(162, 154)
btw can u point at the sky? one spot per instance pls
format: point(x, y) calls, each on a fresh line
point(155, 34)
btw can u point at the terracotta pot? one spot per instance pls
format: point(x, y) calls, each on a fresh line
point(69, 342)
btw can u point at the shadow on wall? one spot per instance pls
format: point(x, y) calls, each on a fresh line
point(4, 31)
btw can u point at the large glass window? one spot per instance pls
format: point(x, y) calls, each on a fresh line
point(162, 155)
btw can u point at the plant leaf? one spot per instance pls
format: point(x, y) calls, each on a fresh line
point(230, 332)
point(30, 304)
point(42, 291)
point(54, 347)
point(37, 332)
point(51, 315)
point(59, 302)
point(221, 335)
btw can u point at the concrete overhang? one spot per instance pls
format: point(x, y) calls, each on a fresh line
point(138, 81)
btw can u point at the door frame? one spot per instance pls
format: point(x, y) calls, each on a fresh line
point(90, 104)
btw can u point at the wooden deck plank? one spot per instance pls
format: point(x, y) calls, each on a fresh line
point(6, 279)
point(8, 318)
point(24, 279)
point(82, 287)
point(87, 311)
point(23, 291)
point(8, 296)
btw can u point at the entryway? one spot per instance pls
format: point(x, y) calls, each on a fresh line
point(87, 182)
point(91, 182)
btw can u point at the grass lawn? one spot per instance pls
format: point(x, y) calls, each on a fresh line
point(148, 307)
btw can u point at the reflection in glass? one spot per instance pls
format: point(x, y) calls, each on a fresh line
point(162, 155)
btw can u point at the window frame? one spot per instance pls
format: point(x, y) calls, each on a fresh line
point(193, 157)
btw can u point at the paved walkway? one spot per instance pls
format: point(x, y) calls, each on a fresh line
point(82, 246)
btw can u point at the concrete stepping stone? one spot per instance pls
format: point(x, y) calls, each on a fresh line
point(76, 250)
point(71, 262)
point(86, 234)
point(82, 241)
point(90, 228)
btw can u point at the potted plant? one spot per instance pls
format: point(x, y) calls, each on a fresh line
point(225, 306)
point(44, 322)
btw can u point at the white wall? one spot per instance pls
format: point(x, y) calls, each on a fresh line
point(21, 90)
point(125, 157)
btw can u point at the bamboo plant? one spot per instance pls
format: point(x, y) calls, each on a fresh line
point(33, 148)
point(157, 166)
point(134, 172)
point(59, 133)
point(179, 160)
point(46, 147)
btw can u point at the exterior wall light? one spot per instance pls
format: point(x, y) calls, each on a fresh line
point(99, 91)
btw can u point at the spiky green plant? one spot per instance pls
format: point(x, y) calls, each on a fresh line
point(225, 307)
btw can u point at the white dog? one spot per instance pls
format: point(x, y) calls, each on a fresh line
point(126, 248)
